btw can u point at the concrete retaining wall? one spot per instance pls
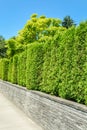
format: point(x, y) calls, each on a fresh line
point(51, 113)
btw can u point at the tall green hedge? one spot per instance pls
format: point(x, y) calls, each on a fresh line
point(10, 70)
point(65, 65)
point(5, 64)
point(34, 66)
point(57, 67)
point(22, 68)
point(14, 77)
point(81, 46)
point(0, 68)
point(50, 68)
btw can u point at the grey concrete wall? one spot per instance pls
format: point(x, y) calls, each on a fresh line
point(51, 113)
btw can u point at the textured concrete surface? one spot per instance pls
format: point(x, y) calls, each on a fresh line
point(50, 112)
point(11, 118)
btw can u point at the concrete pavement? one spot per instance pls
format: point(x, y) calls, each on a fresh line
point(12, 118)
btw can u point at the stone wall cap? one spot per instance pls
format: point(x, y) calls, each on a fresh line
point(66, 102)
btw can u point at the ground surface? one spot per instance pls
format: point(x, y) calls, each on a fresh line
point(12, 118)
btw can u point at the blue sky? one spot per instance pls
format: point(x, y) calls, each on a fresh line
point(15, 13)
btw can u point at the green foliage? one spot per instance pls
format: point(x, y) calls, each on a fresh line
point(2, 47)
point(65, 68)
point(37, 28)
point(66, 85)
point(55, 62)
point(13, 47)
point(49, 67)
point(81, 47)
point(22, 69)
point(14, 77)
point(5, 66)
point(10, 70)
point(1, 68)
point(34, 66)
point(67, 22)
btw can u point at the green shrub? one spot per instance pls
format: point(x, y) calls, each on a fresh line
point(14, 77)
point(0, 68)
point(5, 66)
point(49, 75)
point(66, 85)
point(65, 65)
point(81, 46)
point(10, 70)
point(22, 69)
point(34, 66)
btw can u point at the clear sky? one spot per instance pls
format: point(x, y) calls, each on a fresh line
point(15, 13)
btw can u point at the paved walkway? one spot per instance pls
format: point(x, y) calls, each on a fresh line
point(12, 118)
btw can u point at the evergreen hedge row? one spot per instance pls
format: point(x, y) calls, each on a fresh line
point(10, 70)
point(34, 66)
point(57, 67)
point(5, 66)
point(22, 69)
point(0, 68)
